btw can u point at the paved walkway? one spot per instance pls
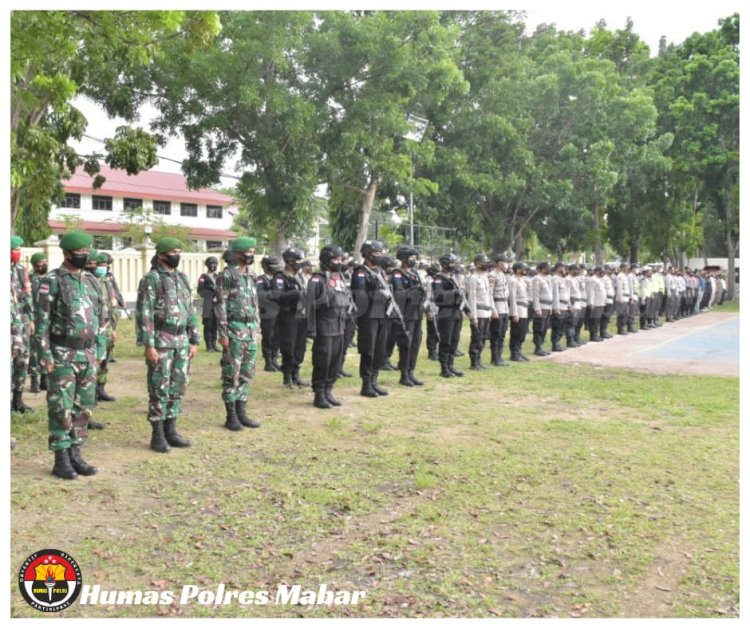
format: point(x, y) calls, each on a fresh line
point(704, 344)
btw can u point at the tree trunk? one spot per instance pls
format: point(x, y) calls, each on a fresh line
point(731, 248)
point(598, 250)
point(518, 245)
point(635, 243)
point(366, 212)
point(280, 242)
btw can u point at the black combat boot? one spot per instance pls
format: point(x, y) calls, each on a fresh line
point(297, 380)
point(17, 405)
point(515, 356)
point(452, 370)
point(321, 401)
point(275, 360)
point(288, 381)
point(43, 381)
point(414, 380)
point(103, 395)
point(63, 469)
point(158, 442)
point(269, 366)
point(329, 395)
point(94, 425)
point(241, 410)
point(474, 364)
point(344, 373)
point(79, 464)
point(232, 422)
point(367, 389)
point(388, 365)
point(556, 346)
point(173, 438)
point(538, 351)
point(445, 371)
point(382, 392)
point(432, 355)
point(34, 385)
point(405, 379)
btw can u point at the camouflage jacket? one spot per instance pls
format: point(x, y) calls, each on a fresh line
point(20, 289)
point(69, 317)
point(115, 297)
point(236, 307)
point(164, 310)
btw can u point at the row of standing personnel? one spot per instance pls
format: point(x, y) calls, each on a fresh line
point(71, 315)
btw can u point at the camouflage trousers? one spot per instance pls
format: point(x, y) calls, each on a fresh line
point(238, 368)
point(101, 377)
point(71, 388)
point(167, 382)
point(19, 364)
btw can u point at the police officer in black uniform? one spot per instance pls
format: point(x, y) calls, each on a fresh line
point(328, 304)
point(351, 320)
point(409, 294)
point(291, 325)
point(389, 264)
point(207, 290)
point(269, 310)
point(373, 300)
point(449, 298)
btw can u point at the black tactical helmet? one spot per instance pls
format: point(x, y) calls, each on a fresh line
point(270, 262)
point(104, 254)
point(230, 256)
point(405, 252)
point(328, 252)
point(447, 260)
point(371, 246)
point(211, 260)
point(481, 260)
point(292, 255)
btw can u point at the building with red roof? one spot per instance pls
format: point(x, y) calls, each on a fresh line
point(157, 197)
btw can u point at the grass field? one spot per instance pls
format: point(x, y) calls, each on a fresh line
point(537, 490)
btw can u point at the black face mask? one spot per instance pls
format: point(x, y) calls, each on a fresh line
point(40, 270)
point(212, 268)
point(250, 258)
point(173, 261)
point(335, 266)
point(411, 263)
point(78, 260)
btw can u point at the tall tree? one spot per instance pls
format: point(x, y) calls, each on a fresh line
point(100, 54)
point(370, 70)
point(246, 97)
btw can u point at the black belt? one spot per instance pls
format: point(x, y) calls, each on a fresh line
point(484, 307)
point(545, 302)
point(240, 319)
point(522, 303)
point(171, 329)
point(71, 343)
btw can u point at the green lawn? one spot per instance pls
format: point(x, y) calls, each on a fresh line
point(535, 490)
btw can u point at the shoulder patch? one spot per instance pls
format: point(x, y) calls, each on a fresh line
point(315, 278)
point(360, 274)
point(44, 288)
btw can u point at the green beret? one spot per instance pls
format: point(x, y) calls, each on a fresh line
point(167, 244)
point(243, 244)
point(38, 257)
point(16, 242)
point(93, 255)
point(74, 240)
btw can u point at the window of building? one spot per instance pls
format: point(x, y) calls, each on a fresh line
point(214, 211)
point(102, 202)
point(72, 200)
point(103, 243)
point(212, 245)
point(133, 203)
point(162, 207)
point(188, 209)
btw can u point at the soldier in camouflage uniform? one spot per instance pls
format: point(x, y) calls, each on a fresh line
point(110, 317)
point(118, 303)
point(167, 327)
point(238, 324)
point(38, 380)
point(21, 313)
point(68, 321)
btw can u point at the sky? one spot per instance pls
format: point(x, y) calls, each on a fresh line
point(651, 21)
